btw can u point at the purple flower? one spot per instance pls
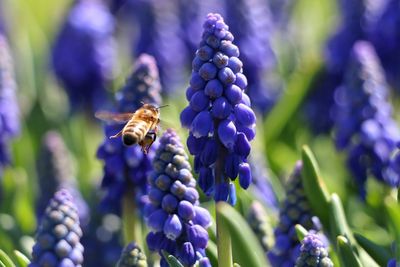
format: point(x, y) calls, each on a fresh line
point(364, 124)
point(251, 23)
point(59, 233)
point(83, 54)
point(313, 252)
point(177, 222)
point(160, 36)
point(55, 171)
point(294, 210)
point(384, 34)
point(126, 167)
point(132, 256)
point(222, 124)
point(9, 110)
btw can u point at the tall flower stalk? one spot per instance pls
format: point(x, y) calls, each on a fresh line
point(220, 120)
point(178, 224)
point(126, 167)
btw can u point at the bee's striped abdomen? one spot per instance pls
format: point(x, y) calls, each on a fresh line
point(134, 131)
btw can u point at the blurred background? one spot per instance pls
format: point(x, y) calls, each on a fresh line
point(70, 58)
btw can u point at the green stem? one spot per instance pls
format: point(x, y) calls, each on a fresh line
point(132, 224)
point(224, 243)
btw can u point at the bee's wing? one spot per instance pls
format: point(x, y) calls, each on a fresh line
point(113, 117)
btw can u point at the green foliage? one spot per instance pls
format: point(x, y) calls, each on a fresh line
point(172, 261)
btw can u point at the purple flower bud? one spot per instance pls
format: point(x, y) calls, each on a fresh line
point(229, 49)
point(220, 60)
point(233, 93)
point(221, 192)
point(156, 220)
point(232, 162)
point(173, 227)
point(213, 41)
point(191, 195)
point(186, 210)
point(202, 124)
point(189, 93)
point(188, 255)
point(208, 71)
point(178, 189)
point(242, 146)
point(250, 132)
point(202, 217)
point(221, 108)
point(199, 101)
point(206, 180)
point(205, 53)
point(209, 154)
point(169, 203)
point(163, 182)
point(197, 82)
point(213, 88)
point(235, 64)
point(156, 195)
point(232, 194)
point(241, 81)
point(244, 115)
point(204, 262)
point(244, 175)
point(195, 145)
point(198, 236)
point(226, 76)
point(197, 63)
point(227, 134)
point(153, 240)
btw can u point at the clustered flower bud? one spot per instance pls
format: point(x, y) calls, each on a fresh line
point(126, 167)
point(259, 222)
point(294, 210)
point(83, 53)
point(55, 171)
point(9, 111)
point(364, 123)
point(58, 235)
point(313, 253)
point(219, 116)
point(177, 223)
point(132, 256)
point(251, 23)
point(160, 36)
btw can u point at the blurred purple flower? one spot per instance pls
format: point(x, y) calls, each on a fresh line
point(313, 252)
point(177, 223)
point(160, 36)
point(54, 166)
point(251, 23)
point(384, 34)
point(219, 115)
point(126, 167)
point(364, 124)
point(58, 235)
point(294, 210)
point(9, 110)
point(132, 256)
point(83, 53)
point(259, 222)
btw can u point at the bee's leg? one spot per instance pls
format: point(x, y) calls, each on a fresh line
point(117, 135)
point(153, 137)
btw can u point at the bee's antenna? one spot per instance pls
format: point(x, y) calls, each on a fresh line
point(141, 102)
point(163, 106)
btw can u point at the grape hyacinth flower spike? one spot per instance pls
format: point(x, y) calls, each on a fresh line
point(219, 116)
point(295, 210)
point(313, 253)
point(55, 171)
point(132, 256)
point(83, 53)
point(365, 127)
point(177, 223)
point(58, 235)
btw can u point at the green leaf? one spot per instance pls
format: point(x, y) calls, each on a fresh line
point(301, 232)
point(22, 260)
point(212, 253)
point(297, 87)
point(246, 248)
point(2, 264)
point(5, 259)
point(347, 256)
point(314, 186)
point(377, 252)
point(172, 261)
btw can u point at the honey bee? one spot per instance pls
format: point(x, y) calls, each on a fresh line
point(141, 126)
